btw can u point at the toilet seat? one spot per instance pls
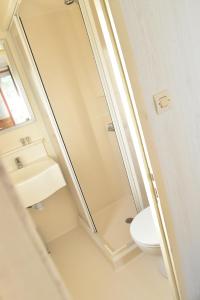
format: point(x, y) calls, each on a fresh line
point(143, 229)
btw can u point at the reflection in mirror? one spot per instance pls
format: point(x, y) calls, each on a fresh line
point(14, 109)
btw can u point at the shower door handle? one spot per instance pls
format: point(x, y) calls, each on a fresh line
point(110, 127)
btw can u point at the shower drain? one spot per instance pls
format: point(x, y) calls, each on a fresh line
point(128, 220)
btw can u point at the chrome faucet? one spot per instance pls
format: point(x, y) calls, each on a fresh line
point(18, 162)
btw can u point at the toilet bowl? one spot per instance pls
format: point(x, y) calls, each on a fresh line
point(144, 233)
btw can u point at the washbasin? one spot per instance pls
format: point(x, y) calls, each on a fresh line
point(37, 181)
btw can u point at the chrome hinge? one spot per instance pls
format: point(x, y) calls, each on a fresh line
point(110, 126)
point(154, 185)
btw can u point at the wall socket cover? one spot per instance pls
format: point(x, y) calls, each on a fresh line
point(162, 101)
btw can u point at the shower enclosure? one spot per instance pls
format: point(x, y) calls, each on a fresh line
point(63, 54)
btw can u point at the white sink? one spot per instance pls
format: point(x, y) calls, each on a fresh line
point(37, 181)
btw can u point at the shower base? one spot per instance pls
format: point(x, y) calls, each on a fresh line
point(111, 223)
point(117, 257)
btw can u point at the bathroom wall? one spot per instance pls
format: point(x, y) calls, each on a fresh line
point(27, 271)
point(163, 52)
point(70, 76)
point(59, 215)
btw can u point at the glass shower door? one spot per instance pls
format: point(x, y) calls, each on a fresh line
point(63, 54)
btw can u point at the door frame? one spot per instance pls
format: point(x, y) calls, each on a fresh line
point(130, 166)
point(121, 78)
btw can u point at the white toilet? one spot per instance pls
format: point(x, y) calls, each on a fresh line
point(143, 232)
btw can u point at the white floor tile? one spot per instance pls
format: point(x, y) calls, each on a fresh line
point(89, 276)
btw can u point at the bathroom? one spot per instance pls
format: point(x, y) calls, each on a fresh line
point(84, 222)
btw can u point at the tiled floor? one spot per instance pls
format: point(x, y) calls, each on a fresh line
point(89, 276)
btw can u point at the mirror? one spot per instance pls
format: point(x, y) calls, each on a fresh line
point(15, 110)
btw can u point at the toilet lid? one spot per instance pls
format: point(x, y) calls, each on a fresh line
point(143, 229)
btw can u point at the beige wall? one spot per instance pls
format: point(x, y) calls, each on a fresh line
point(27, 272)
point(60, 45)
point(59, 215)
point(164, 54)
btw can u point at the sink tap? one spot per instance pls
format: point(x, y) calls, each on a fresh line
point(18, 162)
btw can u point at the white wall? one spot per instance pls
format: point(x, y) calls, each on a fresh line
point(164, 37)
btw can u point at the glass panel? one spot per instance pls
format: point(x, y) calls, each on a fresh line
point(62, 51)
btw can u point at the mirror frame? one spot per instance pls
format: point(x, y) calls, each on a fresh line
point(19, 84)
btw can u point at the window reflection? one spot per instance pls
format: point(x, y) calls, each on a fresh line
point(13, 110)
